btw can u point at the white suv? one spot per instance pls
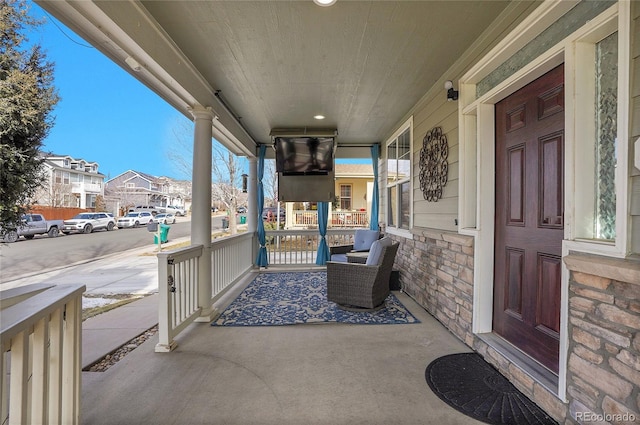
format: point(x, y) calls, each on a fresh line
point(88, 222)
point(135, 219)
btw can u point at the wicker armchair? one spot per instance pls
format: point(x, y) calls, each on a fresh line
point(361, 285)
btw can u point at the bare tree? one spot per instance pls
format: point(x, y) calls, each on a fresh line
point(227, 174)
point(181, 155)
point(58, 193)
point(226, 170)
point(101, 205)
point(270, 181)
point(128, 198)
point(52, 194)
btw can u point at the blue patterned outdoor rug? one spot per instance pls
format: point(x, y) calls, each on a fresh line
point(274, 299)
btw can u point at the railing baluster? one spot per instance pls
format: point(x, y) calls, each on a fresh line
point(55, 368)
point(19, 379)
point(72, 363)
point(184, 284)
point(40, 371)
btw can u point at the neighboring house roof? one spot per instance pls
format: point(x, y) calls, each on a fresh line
point(49, 161)
point(353, 170)
point(178, 187)
point(133, 174)
point(147, 176)
point(55, 156)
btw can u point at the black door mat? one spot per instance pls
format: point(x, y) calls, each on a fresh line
point(472, 386)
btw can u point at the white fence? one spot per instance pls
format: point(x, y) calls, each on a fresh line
point(340, 219)
point(178, 289)
point(41, 343)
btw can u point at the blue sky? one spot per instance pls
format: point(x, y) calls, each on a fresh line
point(104, 115)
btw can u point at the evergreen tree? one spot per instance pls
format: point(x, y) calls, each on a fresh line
point(27, 98)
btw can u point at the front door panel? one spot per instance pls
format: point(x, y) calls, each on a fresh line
point(530, 217)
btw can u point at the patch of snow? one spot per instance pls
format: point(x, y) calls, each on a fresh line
point(96, 302)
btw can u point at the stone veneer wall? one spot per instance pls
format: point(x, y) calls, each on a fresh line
point(604, 347)
point(436, 269)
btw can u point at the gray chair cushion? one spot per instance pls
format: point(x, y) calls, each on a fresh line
point(364, 238)
point(339, 257)
point(375, 253)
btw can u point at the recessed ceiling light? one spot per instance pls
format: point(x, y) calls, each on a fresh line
point(319, 117)
point(324, 3)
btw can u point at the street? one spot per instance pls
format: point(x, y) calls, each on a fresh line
point(27, 257)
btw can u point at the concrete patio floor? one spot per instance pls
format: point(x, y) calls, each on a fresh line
point(300, 374)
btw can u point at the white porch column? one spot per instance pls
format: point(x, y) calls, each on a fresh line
point(201, 204)
point(252, 212)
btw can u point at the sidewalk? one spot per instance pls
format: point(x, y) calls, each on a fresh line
point(106, 332)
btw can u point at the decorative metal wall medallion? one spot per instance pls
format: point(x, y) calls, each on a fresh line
point(433, 164)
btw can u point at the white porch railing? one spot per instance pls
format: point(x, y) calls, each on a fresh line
point(178, 293)
point(305, 219)
point(349, 219)
point(41, 344)
point(231, 258)
point(299, 247)
point(342, 219)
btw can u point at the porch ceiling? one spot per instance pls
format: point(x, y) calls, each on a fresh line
point(276, 64)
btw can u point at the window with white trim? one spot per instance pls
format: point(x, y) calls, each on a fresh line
point(398, 190)
point(597, 76)
point(600, 57)
point(345, 196)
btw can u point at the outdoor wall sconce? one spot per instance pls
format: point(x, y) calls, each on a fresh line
point(451, 93)
point(244, 183)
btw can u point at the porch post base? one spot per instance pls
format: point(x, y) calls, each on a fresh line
point(208, 315)
point(166, 348)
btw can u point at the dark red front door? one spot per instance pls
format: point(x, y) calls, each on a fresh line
point(529, 224)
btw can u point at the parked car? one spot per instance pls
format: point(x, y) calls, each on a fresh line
point(87, 222)
point(149, 208)
point(34, 224)
point(269, 214)
point(166, 218)
point(242, 210)
point(180, 212)
point(135, 219)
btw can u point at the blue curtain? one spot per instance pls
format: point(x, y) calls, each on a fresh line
point(262, 259)
point(375, 199)
point(323, 249)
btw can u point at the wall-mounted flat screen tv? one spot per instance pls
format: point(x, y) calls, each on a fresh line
point(304, 155)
